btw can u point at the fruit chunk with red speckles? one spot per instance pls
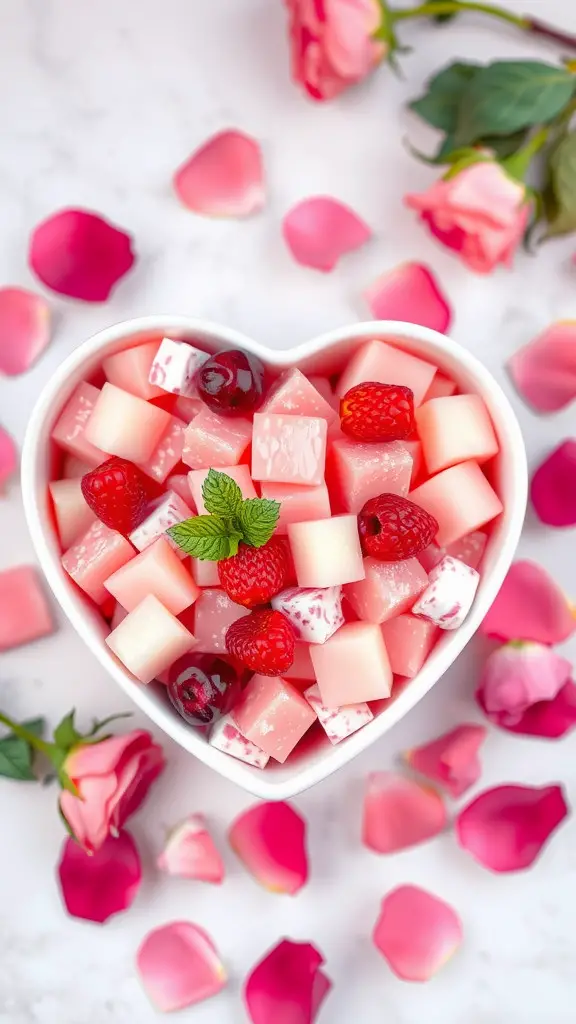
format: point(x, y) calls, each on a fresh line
point(226, 736)
point(450, 593)
point(378, 412)
point(314, 613)
point(393, 528)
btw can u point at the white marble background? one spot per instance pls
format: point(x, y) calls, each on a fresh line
point(99, 102)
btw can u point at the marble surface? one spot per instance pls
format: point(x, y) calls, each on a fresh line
point(98, 105)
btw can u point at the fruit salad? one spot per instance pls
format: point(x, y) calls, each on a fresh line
point(276, 551)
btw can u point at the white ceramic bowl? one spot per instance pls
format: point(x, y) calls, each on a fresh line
point(323, 354)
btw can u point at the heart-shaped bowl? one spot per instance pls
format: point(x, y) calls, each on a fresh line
point(325, 355)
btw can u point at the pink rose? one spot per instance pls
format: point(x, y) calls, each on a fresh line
point(481, 213)
point(112, 778)
point(332, 43)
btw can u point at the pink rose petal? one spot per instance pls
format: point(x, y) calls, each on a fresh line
point(451, 760)
point(270, 840)
point(553, 488)
point(224, 178)
point(190, 852)
point(179, 965)
point(96, 886)
point(506, 827)
point(416, 933)
point(320, 230)
point(8, 458)
point(519, 675)
point(544, 371)
point(78, 253)
point(548, 719)
point(410, 292)
point(530, 606)
point(287, 986)
point(24, 329)
point(399, 813)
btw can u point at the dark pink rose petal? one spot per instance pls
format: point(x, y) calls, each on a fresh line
point(24, 329)
point(519, 675)
point(548, 719)
point(399, 812)
point(410, 292)
point(506, 827)
point(544, 371)
point(553, 487)
point(8, 458)
point(190, 852)
point(287, 986)
point(416, 933)
point(320, 230)
point(179, 965)
point(78, 253)
point(96, 886)
point(224, 178)
point(270, 840)
point(530, 606)
point(451, 760)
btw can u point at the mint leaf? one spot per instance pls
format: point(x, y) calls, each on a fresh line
point(210, 538)
point(66, 735)
point(257, 519)
point(221, 494)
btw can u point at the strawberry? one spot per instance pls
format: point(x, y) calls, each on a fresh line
point(263, 641)
point(118, 493)
point(255, 575)
point(393, 528)
point(378, 412)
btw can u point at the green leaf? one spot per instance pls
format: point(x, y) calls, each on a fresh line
point(16, 759)
point(506, 145)
point(439, 105)
point(35, 726)
point(561, 193)
point(258, 518)
point(66, 734)
point(221, 494)
point(207, 537)
point(509, 95)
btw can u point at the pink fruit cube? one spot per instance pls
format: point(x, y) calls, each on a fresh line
point(73, 516)
point(449, 595)
point(69, 432)
point(326, 552)
point(178, 482)
point(441, 387)
point(167, 452)
point(362, 471)
point(130, 369)
point(174, 366)
point(272, 714)
point(73, 467)
point(226, 736)
point(338, 723)
point(388, 589)
point(212, 440)
point(124, 425)
point(469, 549)
point(214, 612)
point(297, 504)
point(149, 640)
point(409, 641)
point(163, 512)
point(295, 395)
point(205, 572)
point(455, 429)
point(414, 448)
point(24, 611)
point(94, 557)
point(187, 409)
point(159, 571)
point(289, 449)
point(240, 475)
point(323, 385)
point(460, 498)
point(378, 361)
point(301, 667)
point(315, 614)
point(352, 666)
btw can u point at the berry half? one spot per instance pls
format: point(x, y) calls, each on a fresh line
point(118, 494)
point(231, 383)
point(202, 688)
point(255, 575)
point(262, 641)
point(393, 528)
point(378, 412)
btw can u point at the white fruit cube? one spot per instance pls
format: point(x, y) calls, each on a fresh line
point(130, 368)
point(326, 552)
point(149, 640)
point(163, 512)
point(174, 366)
point(159, 571)
point(226, 736)
point(449, 595)
point(314, 613)
point(338, 723)
point(205, 572)
point(125, 425)
point(73, 516)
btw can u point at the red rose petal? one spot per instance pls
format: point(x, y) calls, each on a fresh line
point(24, 329)
point(530, 606)
point(519, 675)
point(506, 827)
point(544, 371)
point(224, 178)
point(8, 458)
point(451, 760)
point(399, 813)
point(553, 487)
point(417, 933)
point(190, 852)
point(78, 253)
point(320, 230)
point(270, 840)
point(96, 886)
point(287, 986)
point(410, 292)
point(179, 965)
point(548, 719)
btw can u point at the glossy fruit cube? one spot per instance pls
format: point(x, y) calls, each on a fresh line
point(388, 589)
point(363, 471)
point(69, 432)
point(73, 516)
point(157, 570)
point(449, 595)
point(441, 387)
point(469, 549)
point(338, 723)
point(214, 612)
point(240, 475)
point(125, 425)
point(94, 557)
point(409, 641)
point(272, 714)
point(174, 366)
point(167, 452)
point(326, 552)
point(460, 499)
point(385, 364)
point(295, 395)
point(289, 449)
point(352, 666)
point(226, 736)
point(297, 504)
point(163, 512)
point(205, 572)
point(301, 667)
point(25, 614)
point(314, 614)
point(130, 369)
point(455, 429)
point(149, 640)
point(216, 441)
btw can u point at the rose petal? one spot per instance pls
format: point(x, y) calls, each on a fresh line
point(287, 986)
point(8, 458)
point(506, 827)
point(78, 253)
point(190, 852)
point(399, 812)
point(416, 933)
point(24, 329)
point(549, 719)
point(544, 371)
point(270, 840)
point(519, 675)
point(530, 606)
point(224, 178)
point(410, 292)
point(179, 965)
point(451, 760)
point(96, 886)
point(320, 230)
point(553, 488)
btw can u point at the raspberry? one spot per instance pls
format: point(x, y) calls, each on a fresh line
point(255, 575)
point(203, 687)
point(378, 412)
point(231, 383)
point(118, 493)
point(263, 641)
point(393, 528)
